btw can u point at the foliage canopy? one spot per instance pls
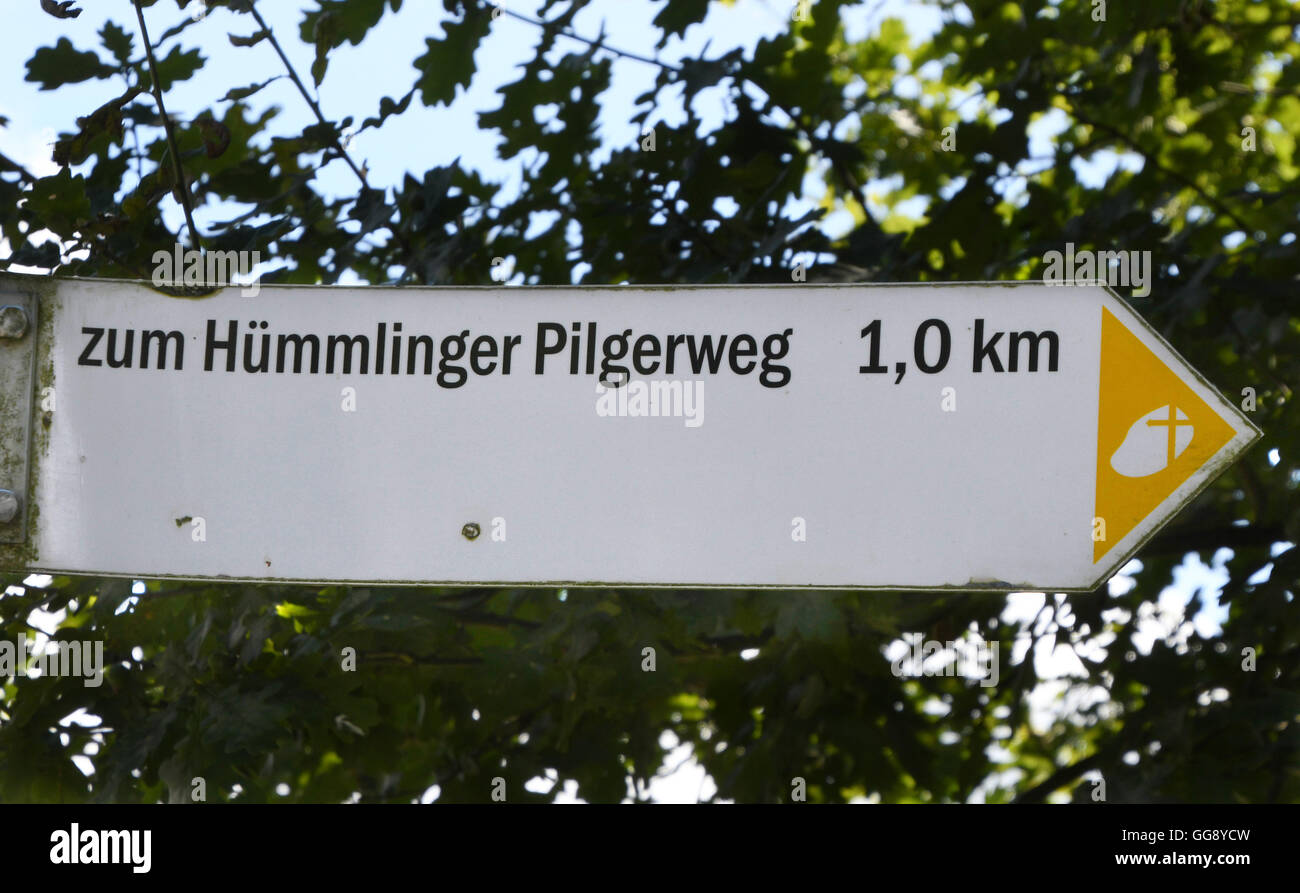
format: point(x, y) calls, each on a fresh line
point(242, 684)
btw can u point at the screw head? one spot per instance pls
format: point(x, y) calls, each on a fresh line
point(470, 531)
point(13, 321)
point(8, 506)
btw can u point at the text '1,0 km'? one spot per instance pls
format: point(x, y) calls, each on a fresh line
point(967, 436)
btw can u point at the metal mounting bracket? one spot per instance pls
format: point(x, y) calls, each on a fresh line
point(17, 388)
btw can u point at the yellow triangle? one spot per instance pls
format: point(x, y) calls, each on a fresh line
point(1145, 414)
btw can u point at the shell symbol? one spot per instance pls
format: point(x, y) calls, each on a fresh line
point(1153, 442)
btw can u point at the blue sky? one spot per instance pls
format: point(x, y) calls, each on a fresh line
point(359, 76)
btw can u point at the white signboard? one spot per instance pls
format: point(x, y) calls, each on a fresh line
point(969, 436)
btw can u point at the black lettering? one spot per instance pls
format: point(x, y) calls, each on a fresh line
point(543, 350)
point(163, 338)
point(646, 345)
point(1033, 338)
point(670, 355)
point(512, 341)
point(484, 348)
point(749, 350)
point(211, 345)
point(298, 342)
point(95, 335)
point(918, 346)
point(706, 354)
point(453, 348)
point(775, 347)
point(615, 348)
point(349, 341)
point(126, 354)
point(411, 353)
point(986, 351)
point(264, 364)
point(397, 349)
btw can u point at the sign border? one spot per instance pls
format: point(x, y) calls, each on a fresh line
point(42, 289)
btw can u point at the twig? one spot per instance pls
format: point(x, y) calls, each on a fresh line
point(320, 118)
point(302, 88)
point(1182, 178)
point(181, 183)
point(572, 35)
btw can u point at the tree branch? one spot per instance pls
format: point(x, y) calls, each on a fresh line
point(564, 31)
point(1182, 178)
point(302, 88)
point(182, 185)
point(320, 118)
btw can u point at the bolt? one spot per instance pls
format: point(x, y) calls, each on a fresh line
point(8, 506)
point(470, 531)
point(13, 321)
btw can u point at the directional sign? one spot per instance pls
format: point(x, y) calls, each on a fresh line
point(968, 436)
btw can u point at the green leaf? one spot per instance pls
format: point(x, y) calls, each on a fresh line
point(178, 66)
point(251, 40)
point(388, 108)
point(449, 63)
point(106, 120)
point(60, 202)
point(117, 41)
point(44, 256)
point(237, 93)
point(677, 16)
point(336, 22)
point(61, 9)
point(62, 63)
